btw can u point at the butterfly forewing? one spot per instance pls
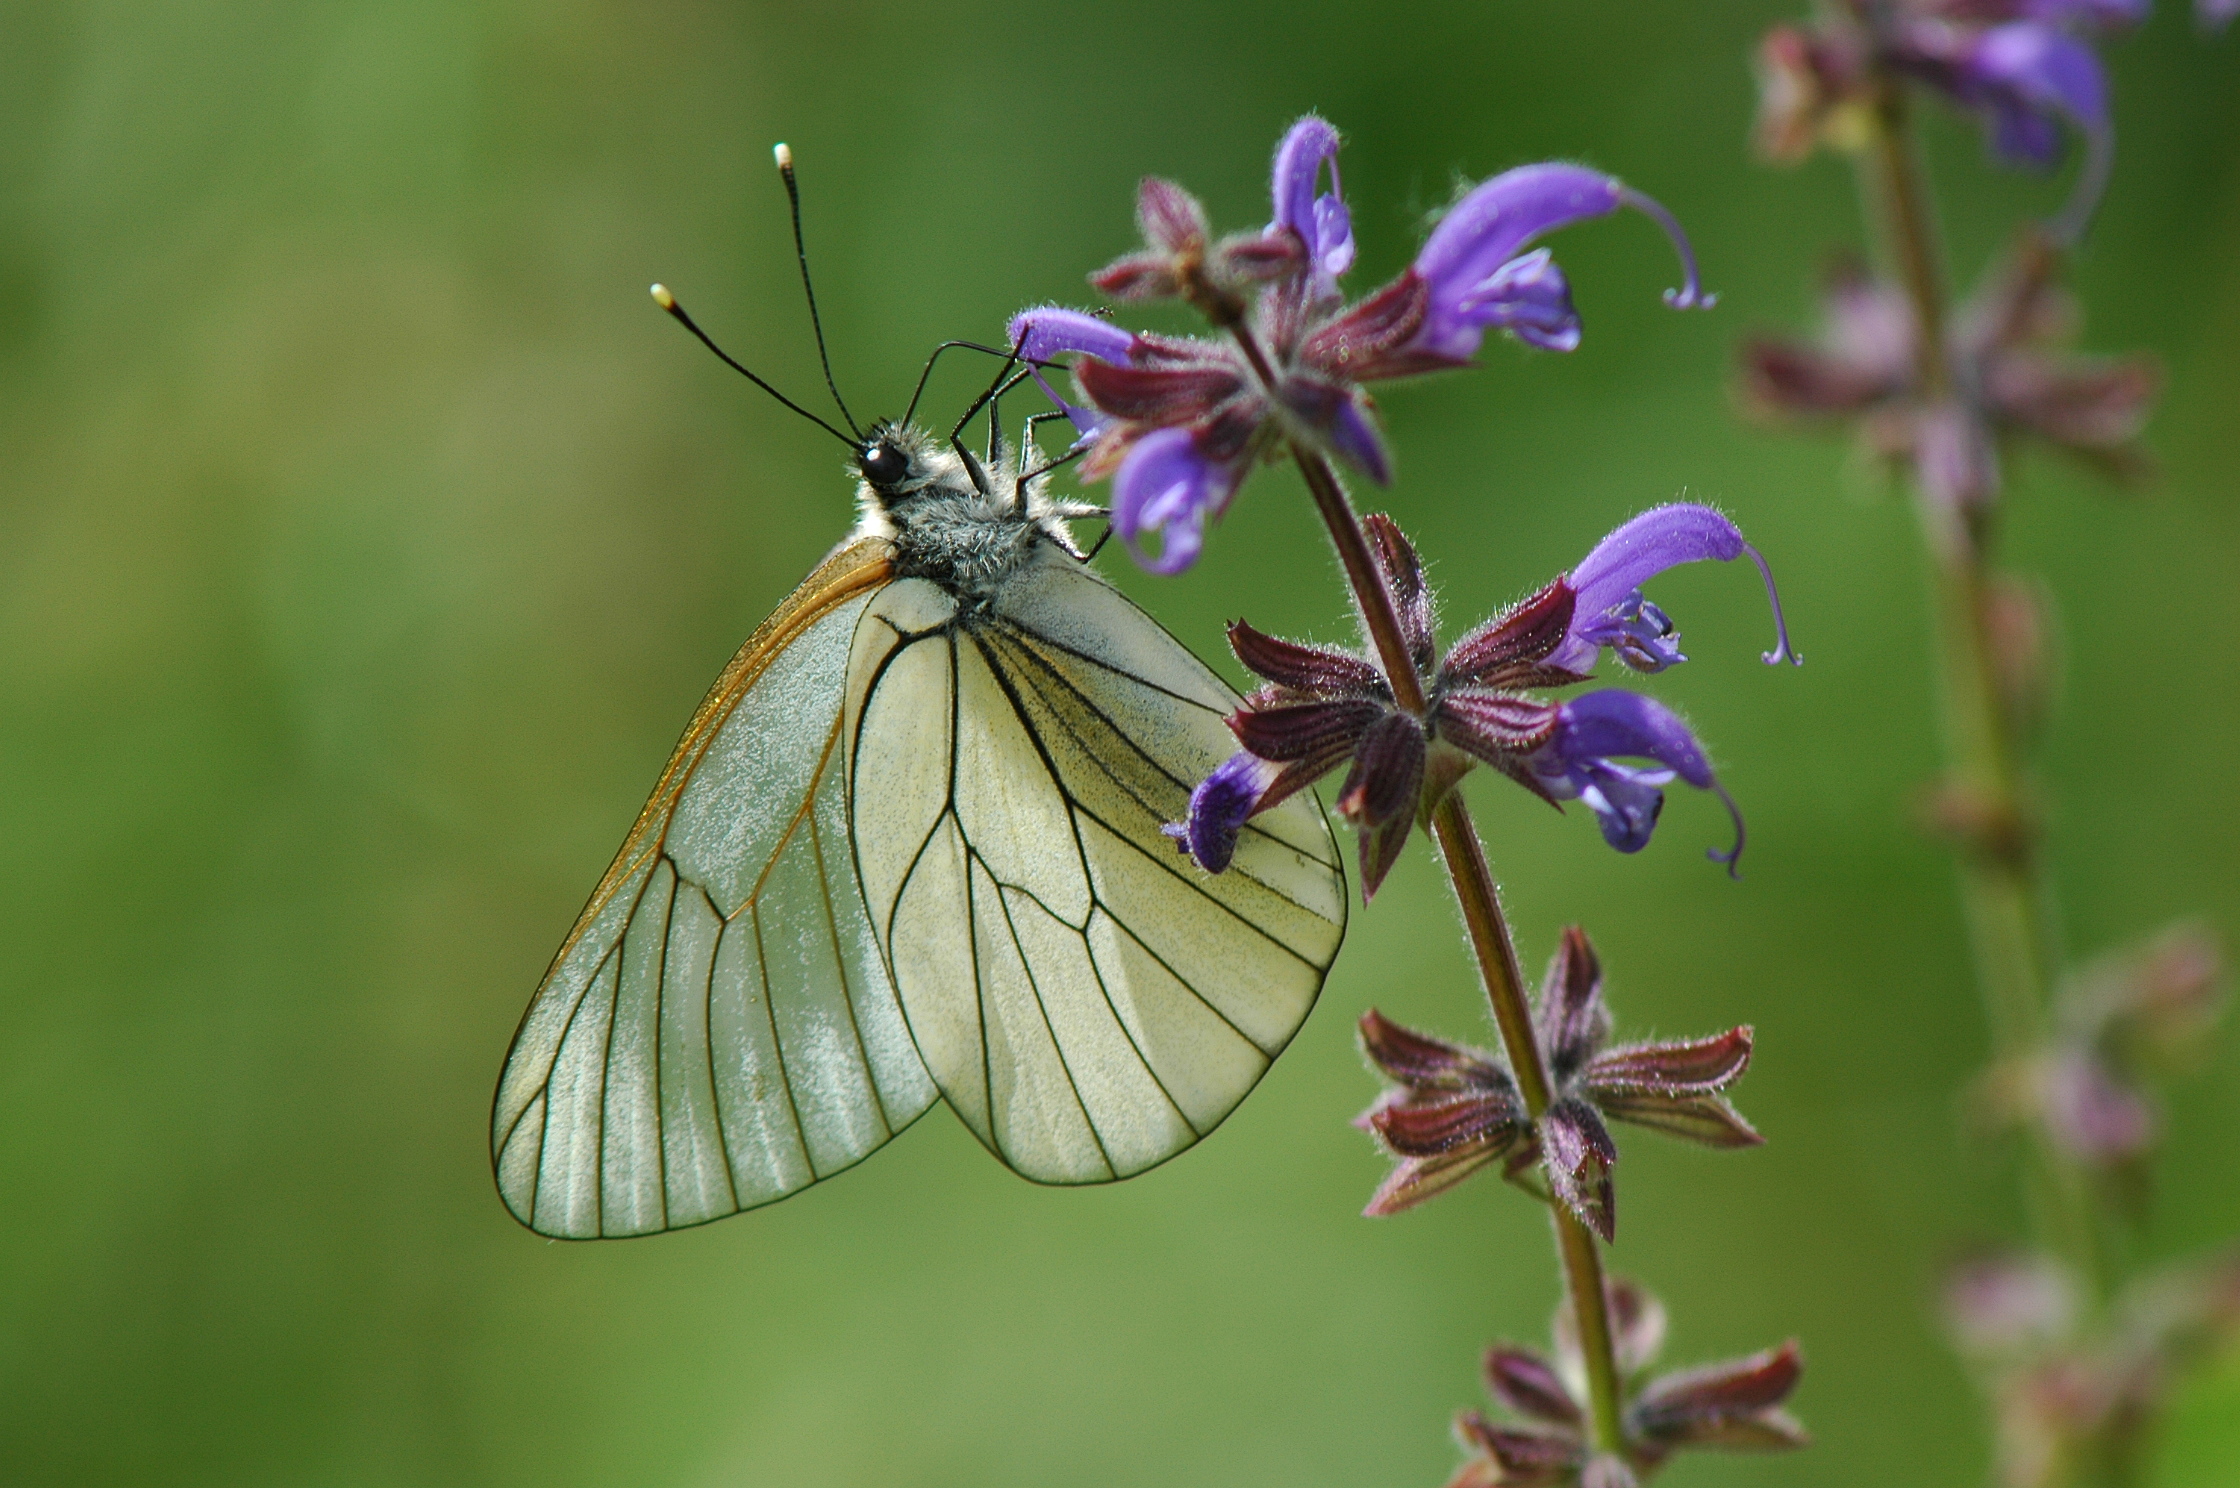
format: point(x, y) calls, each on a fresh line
point(719, 1030)
point(1088, 1002)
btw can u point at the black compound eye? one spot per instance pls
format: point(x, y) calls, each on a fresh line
point(884, 465)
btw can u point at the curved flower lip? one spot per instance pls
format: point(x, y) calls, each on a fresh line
point(1481, 234)
point(1167, 484)
point(2021, 78)
point(1049, 331)
point(1608, 581)
point(1321, 221)
point(2029, 71)
point(1598, 727)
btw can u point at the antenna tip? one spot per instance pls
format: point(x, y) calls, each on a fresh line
point(783, 154)
point(663, 298)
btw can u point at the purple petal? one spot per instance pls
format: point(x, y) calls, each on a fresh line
point(1050, 331)
point(2025, 75)
point(1339, 414)
point(1598, 727)
point(1166, 486)
point(1616, 723)
point(1610, 611)
point(2215, 15)
point(1497, 218)
point(1530, 298)
point(1468, 257)
point(1320, 221)
point(1354, 435)
point(1219, 808)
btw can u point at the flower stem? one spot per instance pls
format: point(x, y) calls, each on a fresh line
point(1475, 891)
point(1497, 968)
point(2009, 929)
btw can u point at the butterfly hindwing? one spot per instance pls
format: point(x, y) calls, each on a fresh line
point(1089, 1002)
point(719, 1031)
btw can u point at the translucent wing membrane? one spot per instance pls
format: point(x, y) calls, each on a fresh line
point(719, 1031)
point(1087, 1001)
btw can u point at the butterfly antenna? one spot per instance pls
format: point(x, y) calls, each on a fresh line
point(668, 302)
point(784, 155)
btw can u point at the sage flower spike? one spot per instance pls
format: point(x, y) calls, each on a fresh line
point(1177, 423)
point(1323, 707)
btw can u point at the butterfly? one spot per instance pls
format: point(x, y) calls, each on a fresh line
point(909, 849)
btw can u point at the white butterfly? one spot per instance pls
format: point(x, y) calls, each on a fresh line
point(910, 846)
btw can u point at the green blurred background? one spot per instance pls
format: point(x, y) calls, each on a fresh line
point(369, 537)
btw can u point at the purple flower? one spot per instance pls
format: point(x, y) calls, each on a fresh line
point(1609, 609)
point(2008, 373)
point(1580, 762)
point(1734, 1405)
point(2215, 15)
point(1324, 707)
point(2119, 1024)
point(1294, 365)
point(1323, 226)
point(2024, 79)
point(2022, 67)
point(1453, 1110)
point(1479, 277)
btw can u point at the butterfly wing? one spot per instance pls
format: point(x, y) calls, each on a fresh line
point(718, 1031)
point(1086, 999)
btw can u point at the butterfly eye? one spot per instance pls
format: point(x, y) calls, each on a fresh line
point(884, 465)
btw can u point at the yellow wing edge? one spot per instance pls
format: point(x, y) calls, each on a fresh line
point(846, 573)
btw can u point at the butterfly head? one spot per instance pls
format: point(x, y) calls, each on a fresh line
point(884, 462)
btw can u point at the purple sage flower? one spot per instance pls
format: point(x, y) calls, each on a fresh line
point(2118, 1024)
point(1609, 609)
point(1735, 1405)
point(2008, 371)
point(1453, 1110)
point(1324, 707)
point(2022, 67)
point(1178, 422)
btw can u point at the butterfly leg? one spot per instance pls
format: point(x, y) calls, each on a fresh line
point(1004, 383)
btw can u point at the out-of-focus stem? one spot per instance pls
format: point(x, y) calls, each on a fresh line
point(2009, 930)
point(1475, 891)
